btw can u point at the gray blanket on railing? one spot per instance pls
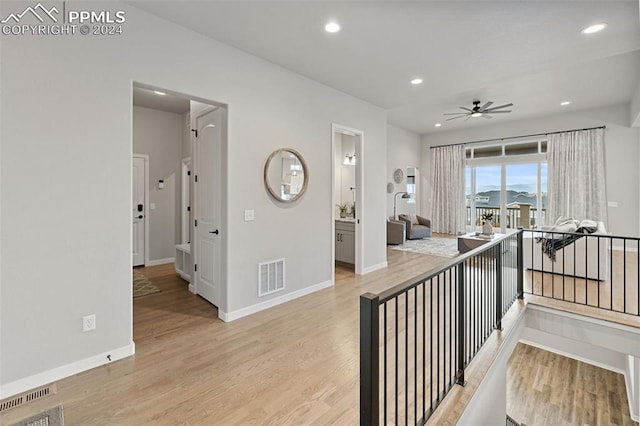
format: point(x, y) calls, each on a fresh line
point(552, 243)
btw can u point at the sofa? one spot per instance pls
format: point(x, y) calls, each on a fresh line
point(416, 226)
point(395, 231)
point(583, 258)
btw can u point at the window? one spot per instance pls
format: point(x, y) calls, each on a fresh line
point(509, 180)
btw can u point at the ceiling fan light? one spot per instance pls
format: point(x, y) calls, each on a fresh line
point(476, 114)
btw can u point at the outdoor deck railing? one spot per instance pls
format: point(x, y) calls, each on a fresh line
point(523, 216)
point(417, 338)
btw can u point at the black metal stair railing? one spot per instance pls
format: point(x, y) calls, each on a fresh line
point(417, 338)
point(594, 270)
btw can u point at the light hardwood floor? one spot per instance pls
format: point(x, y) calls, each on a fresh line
point(296, 363)
point(291, 364)
point(544, 388)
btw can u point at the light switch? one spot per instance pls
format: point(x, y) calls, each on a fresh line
point(152, 206)
point(612, 204)
point(249, 215)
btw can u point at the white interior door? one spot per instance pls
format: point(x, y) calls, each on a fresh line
point(207, 200)
point(138, 211)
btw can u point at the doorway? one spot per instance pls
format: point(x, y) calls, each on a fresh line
point(347, 197)
point(140, 194)
point(191, 221)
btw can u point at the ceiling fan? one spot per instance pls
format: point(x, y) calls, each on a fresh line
point(479, 111)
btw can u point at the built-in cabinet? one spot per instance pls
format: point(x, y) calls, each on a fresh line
point(346, 241)
point(183, 261)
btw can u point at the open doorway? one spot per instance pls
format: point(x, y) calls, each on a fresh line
point(183, 140)
point(347, 196)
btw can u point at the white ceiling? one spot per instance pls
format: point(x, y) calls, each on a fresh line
point(530, 53)
point(169, 103)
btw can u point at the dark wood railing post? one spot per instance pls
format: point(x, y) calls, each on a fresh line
point(499, 285)
point(369, 359)
point(462, 327)
point(520, 272)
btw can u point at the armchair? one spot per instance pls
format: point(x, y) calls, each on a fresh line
point(416, 226)
point(395, 231)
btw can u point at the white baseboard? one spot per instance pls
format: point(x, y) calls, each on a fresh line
point(234, 315)
point(374, 268)
point(160, 261)
point(192, 289)
point(58, 373)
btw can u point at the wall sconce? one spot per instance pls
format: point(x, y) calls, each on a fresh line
point(350, 160)
point(160, 184)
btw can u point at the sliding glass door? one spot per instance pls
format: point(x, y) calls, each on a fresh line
point(509, 181)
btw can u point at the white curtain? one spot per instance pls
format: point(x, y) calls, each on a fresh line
point(576, 180)
point(447, 189)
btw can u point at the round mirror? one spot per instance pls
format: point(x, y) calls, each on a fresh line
point(286, 175)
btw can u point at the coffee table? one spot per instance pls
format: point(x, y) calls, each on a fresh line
point(468, 242)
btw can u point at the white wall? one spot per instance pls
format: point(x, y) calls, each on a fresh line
point(74, 258)
point(403, 150)
point(621, 151)
point(634, 108)
point(159, 135)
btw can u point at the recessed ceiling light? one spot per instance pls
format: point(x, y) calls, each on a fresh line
point(565, 103)
point(476, 114)
point(332, 27)
point(438, 125)
point(157, 92)
point(416, 81)
point(594, 28)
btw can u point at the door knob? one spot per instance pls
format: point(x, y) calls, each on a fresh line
point(140, 217)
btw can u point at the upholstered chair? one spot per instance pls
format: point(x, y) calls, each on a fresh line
point(395, 231)
point(416, 227)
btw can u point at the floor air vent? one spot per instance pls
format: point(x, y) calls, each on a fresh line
point(270, 277)
point(27, 397)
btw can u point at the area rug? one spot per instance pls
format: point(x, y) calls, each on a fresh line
point(142, 286)
point(51, 417)
point(434, 246)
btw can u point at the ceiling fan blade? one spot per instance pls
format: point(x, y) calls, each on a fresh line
point(487, 116)
point(499, 107)
point(485, 106)
point(496, 112)
point(455, 113)
point(466, 109)
point(453, 118)
point(467, 118)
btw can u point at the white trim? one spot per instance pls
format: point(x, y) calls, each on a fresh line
point(569, 354)
point(160, 261)
point(146, 219)
point(374, 268)
point(584, 318)
point(234, 315)
point(185, 185)
point(360, 190)
point(58, 373)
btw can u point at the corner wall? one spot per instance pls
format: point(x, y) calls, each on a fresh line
point(159, 135)
point(74, 258)
point(403, 150)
